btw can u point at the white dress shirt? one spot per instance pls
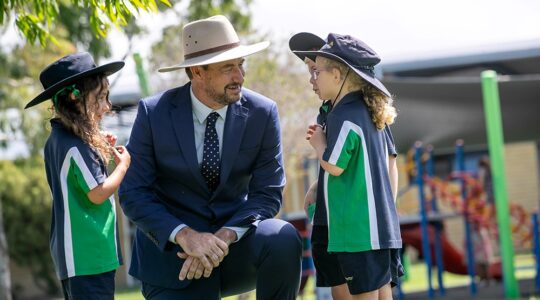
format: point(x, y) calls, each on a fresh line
point(200, 113)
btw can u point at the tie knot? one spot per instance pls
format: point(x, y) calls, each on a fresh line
point(212, 118)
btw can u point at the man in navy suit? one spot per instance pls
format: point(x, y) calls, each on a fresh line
point(206, 180)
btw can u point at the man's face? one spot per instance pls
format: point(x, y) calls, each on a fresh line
point(223, 81)
point(311, 67)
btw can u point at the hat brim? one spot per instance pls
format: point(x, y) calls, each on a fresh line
point(365, 75)
point(107, 69)
point(305, 41)
point(212, 58)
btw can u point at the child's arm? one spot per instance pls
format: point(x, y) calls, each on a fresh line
point(393, 174)
point(103, 191)
point(316, 138)
point(311, 196)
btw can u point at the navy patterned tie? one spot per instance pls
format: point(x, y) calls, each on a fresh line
point(210, 163)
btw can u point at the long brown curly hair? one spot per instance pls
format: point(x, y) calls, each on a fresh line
point(380, 106)
point(79, 115)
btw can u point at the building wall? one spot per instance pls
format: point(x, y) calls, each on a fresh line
point(522, 175)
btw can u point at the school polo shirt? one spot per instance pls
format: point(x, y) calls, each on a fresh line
point(360, 210)
point(84, 236)
point(319, 218)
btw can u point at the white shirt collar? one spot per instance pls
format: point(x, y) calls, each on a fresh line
point(202, 111)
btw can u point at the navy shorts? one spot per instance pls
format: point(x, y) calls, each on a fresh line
point(327, 270)
point(89, 287)
point(362, 271)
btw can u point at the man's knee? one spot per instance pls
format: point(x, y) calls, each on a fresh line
point(283, 240)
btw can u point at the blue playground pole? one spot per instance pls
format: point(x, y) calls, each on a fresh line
point(536, 240)
point(423, 215)
point(460, 158)
point(438, 227)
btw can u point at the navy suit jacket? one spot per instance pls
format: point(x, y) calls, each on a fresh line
point(164, 188)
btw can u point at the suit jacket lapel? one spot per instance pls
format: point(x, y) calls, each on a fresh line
point(181, 116)
point(232, 136)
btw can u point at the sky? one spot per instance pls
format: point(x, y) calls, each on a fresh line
point(402, 29)
point(396, 29)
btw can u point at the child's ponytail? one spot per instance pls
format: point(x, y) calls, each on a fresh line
point(381, 108)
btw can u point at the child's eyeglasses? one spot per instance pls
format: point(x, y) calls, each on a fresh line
point(317, 72)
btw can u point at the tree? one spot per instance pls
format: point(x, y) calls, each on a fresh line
point(72, 26)
point(26, 197)
point(5, 276)
point(37, 20)
point(24, 193)
point(84, 23)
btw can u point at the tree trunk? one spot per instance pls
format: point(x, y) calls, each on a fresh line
point(5, 277)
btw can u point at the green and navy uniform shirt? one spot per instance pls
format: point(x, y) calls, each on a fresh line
point(324, 110)
point(84, 236)
point(357, 206)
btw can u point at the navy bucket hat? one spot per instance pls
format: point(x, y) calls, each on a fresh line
point(68, 70)
point(352, 52)
point(305, 41)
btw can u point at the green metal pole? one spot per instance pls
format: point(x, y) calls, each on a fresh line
point(141, 73)
point(492, 110)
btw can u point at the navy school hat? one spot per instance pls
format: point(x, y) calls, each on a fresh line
point(68, 70)
point(352, 52)
point(305, 41)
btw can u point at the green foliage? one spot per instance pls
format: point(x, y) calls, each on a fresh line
point(37, 20)
point(24, 192)
point(18, 82)
point(26, 202)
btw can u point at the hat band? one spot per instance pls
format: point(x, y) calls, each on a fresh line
point(368, 69)
point(211, 50)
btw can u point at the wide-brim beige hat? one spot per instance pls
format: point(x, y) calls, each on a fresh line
point(210, 41)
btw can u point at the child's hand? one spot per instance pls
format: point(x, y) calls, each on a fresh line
point(110, 138)
point(121, 156)
point(311, 130)
point(317, 139)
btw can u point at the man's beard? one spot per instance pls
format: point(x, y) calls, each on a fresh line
point(223, 98)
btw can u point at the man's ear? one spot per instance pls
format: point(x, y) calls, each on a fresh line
point(196, 71)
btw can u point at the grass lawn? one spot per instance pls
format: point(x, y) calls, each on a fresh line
point(524, 265)
point(417, 281)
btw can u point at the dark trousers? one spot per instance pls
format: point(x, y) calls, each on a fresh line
point(89, 287)
point(267, 258)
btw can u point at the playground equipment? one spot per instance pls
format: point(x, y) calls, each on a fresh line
point(463, 193)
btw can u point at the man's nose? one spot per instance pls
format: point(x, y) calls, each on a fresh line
point(238, 74)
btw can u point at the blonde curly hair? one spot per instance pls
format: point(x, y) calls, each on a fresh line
point(380, 105)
